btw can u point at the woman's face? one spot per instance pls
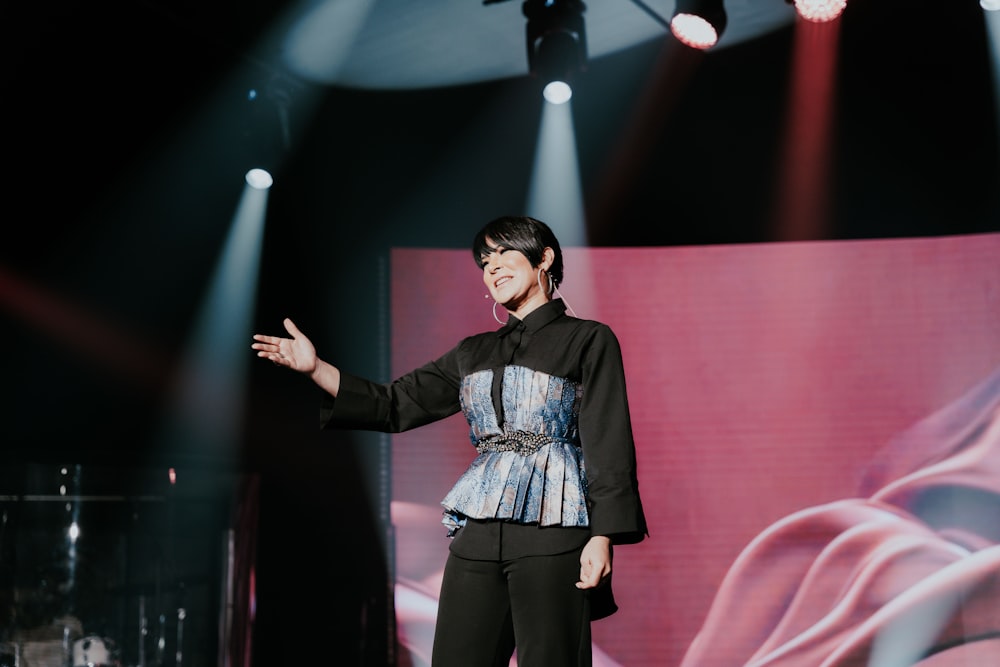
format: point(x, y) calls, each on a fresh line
point(512, 281)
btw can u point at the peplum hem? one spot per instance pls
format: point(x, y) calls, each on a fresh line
point(547, 487)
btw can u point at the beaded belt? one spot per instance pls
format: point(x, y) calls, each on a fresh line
point(521, 442)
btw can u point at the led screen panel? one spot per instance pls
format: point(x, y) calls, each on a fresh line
point(817, 436)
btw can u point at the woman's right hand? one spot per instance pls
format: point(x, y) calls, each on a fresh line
point(296, 352)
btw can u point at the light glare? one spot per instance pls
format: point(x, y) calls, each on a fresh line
point(259, 179)
point(694, 31)
point(820, 11)
point(557, 92)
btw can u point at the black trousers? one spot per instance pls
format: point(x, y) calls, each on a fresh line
point(487, 608)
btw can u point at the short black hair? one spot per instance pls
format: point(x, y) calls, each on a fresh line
point(522, 233)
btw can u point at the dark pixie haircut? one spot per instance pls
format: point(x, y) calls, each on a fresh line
point(519, 232)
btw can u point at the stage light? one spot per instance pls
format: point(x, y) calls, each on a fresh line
point(820, 11)
point(557, 44)
point(699, 23)
point(557, 92)
point(990, 5)
point(259, 179)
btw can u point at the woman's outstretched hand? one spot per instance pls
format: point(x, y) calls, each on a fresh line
point(296, 352)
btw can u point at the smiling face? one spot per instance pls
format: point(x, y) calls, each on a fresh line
point(511, 279)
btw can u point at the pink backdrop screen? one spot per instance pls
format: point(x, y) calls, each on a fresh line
point(768, 384)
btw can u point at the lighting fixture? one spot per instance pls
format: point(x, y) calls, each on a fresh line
point(699, 23)
point(259, 179)
point(557, 44)
point(820, 11)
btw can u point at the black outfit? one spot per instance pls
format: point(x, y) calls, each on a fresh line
point(548, 412)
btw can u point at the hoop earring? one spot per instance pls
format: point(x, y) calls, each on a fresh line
point(552, 286)
point(495, 304)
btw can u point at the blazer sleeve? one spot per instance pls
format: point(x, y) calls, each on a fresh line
point(422, 396)
point(608, 445)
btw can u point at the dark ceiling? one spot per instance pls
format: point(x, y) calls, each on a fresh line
point(130, 126)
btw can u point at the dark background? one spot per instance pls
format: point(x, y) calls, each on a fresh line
point(128, 133)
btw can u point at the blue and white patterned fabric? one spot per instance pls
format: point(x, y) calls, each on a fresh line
point(531, 469)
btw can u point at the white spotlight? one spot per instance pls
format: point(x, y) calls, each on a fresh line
point(557, 92)
point(990, 5)
point(699, 23)
point(820, 11)
point(259, 179)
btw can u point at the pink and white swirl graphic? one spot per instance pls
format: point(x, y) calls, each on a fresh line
point(908, 573)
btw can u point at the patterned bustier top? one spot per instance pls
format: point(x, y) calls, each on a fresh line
point(531, 469)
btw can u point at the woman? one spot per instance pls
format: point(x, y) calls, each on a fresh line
point(553, 487)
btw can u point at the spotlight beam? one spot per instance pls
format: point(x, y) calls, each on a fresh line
point(208, 403)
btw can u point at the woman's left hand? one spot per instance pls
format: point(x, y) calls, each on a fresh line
point(595, 561)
